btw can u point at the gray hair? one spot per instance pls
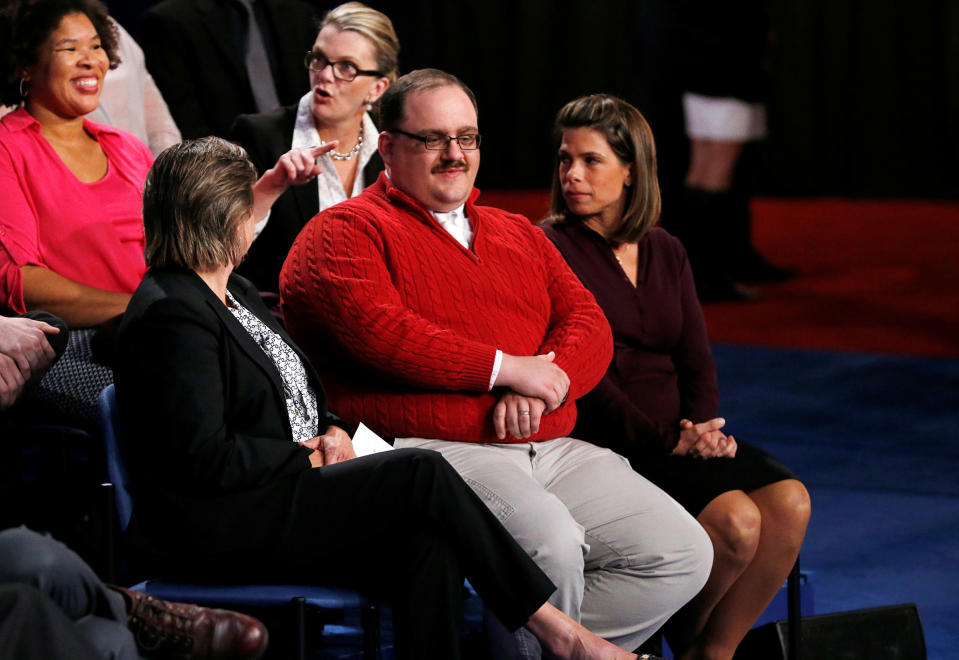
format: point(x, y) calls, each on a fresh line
point(196, 195)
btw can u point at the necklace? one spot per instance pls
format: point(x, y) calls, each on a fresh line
point(617, 255)
point(336, 155)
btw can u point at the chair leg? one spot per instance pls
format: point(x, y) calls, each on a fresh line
point(109, 536)
point(370, 620)
point(299, 617)
point(794, 613)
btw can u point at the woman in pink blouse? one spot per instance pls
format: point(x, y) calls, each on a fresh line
point(71, 229)
point(70, 224)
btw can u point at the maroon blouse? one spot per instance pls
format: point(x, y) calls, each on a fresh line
point(662, 369)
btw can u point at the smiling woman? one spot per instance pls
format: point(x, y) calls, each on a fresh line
point(62, 176)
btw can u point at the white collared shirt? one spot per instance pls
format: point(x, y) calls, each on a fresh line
point(329, 187)
point(457, 224)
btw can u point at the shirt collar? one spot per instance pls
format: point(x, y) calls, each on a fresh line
point(457, 216)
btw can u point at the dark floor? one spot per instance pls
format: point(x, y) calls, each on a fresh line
point(873, 437)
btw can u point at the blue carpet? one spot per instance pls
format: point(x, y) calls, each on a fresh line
point(874, 437)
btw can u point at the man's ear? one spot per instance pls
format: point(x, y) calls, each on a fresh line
point(385, 144)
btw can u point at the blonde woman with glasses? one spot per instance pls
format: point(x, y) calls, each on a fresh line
point(351, 64)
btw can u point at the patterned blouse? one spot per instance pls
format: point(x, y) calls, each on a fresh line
point(300, 397)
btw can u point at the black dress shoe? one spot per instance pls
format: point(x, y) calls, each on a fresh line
point(178, 631)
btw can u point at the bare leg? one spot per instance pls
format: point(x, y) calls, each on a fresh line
point(784, 507)
point(712, 164)
point(568, 640)
point(733, 522)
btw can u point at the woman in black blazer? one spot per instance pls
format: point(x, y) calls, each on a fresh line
point(351, 63)
point(240, 472)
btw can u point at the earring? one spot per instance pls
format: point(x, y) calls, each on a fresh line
point(24, 90)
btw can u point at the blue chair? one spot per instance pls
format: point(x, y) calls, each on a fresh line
point(298, 597)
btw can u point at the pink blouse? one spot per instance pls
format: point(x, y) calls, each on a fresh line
point(91, 233)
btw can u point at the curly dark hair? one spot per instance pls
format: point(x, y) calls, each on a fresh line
point(26, 24)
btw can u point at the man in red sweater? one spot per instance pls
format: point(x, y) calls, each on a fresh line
point(460, 328)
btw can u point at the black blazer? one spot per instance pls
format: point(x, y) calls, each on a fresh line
point(192, 53)
point(266, 137)
point(213, 467)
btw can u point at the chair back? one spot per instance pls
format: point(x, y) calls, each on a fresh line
point(116, 453)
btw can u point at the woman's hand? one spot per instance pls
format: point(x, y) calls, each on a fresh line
point(704, 440)
point(714, 444)
point(294, 168)
point(519, 415)
point(334, 446)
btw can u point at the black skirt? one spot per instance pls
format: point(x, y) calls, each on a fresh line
point(695, 482)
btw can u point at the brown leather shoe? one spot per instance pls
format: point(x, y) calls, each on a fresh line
point(178, 631)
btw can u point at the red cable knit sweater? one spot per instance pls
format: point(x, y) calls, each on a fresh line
point(404, 322)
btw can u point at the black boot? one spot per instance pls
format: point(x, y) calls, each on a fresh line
point(701, 231)
point(745, 263)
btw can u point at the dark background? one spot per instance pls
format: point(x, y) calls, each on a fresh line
point(863, 98)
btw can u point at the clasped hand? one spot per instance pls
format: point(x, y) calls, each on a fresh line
point(705, 440)
point(334, 446)
point(535, 376)
point(536, 386)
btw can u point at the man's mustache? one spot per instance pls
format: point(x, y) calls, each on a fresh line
point(451, 165)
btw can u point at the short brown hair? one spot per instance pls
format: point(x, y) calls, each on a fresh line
point(631, 139)
point(375, 26)
point(26, 24)
point(393, 101)
point(196, 195)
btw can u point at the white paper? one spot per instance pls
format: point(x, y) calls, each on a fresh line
point(365, 442)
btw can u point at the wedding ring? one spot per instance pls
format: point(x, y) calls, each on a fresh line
point(523, 412)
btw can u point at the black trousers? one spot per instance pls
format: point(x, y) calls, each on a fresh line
point(405, 524)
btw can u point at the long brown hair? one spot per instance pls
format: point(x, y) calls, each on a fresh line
point(631, 139)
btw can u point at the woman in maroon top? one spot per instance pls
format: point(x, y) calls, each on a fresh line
point(657, 404)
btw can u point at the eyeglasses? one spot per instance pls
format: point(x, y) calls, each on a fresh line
point(342, 70)
point(467, 142)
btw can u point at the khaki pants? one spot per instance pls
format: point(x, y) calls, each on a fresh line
point(623, 554)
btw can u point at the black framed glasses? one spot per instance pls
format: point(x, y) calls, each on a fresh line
point(467, 142)
point(343, 70)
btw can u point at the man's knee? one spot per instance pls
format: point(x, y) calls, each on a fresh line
point(28, 557)
point(551, 537)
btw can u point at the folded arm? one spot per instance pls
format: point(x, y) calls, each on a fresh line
point(578, 333)
point(81, 306)
point(341, 284)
